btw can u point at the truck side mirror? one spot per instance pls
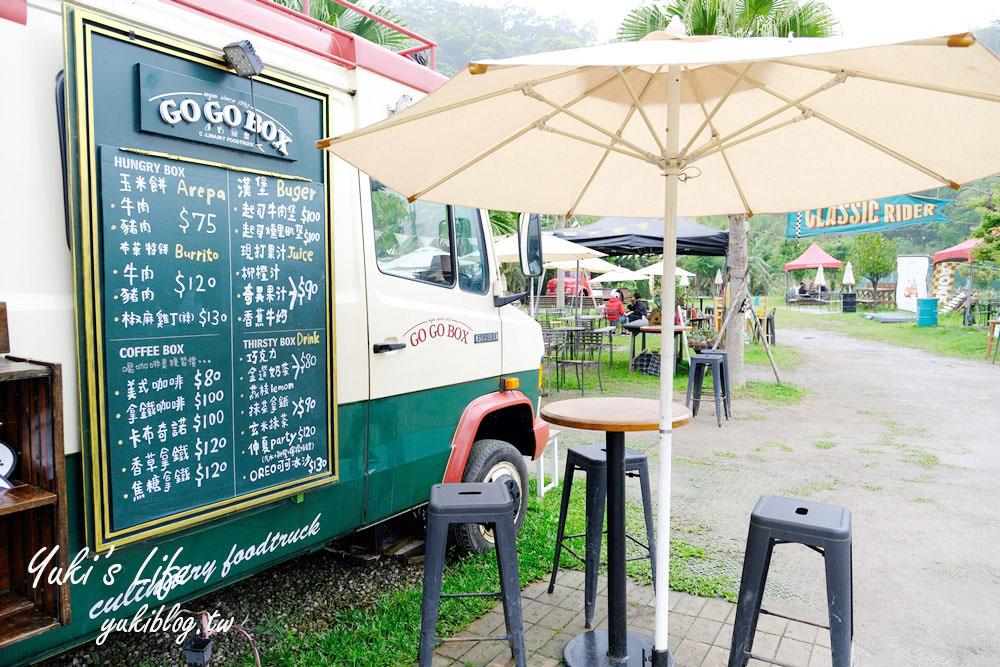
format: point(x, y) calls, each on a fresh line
point(529, 243)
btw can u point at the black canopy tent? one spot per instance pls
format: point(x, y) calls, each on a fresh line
point(644, 236)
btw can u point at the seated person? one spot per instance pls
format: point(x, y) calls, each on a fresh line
point(614, 309)
point(822, 288)
point(637, 312)
point(802, 288)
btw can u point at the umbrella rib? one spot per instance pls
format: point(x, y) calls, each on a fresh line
point(534, 94)
point(593, 142)
point(789, 104)
point(721, 148)
point(538, 124)
point(975, 94)
point(610, 147)
point(722, 100)
point(711, 125)
point(860, 137)
point(402, 119)
point(636, 104)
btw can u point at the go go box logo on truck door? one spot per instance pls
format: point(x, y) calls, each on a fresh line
point(438, 330)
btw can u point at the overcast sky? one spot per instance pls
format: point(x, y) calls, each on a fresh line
point(858, 18)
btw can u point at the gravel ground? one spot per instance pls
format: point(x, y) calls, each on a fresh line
point(301, 596)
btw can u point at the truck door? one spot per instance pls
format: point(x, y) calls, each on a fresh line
point(434, 340)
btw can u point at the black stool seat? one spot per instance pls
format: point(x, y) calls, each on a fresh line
point(593, 460)
point(821, 527)
point(487, 503)
point(469, 498)
point(596, 456)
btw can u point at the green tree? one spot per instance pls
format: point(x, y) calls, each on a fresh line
point(736, 18)
point(874, 257)
point(989, 230)
point(344, 18)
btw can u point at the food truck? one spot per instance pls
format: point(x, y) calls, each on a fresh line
point(222, 346)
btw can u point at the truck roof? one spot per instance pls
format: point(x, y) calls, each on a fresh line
point(346, 49)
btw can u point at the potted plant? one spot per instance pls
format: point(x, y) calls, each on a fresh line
point(701, 338)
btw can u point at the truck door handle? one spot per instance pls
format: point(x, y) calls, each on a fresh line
point(379, 348)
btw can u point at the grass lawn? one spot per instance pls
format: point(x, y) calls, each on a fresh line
point(618, 380)
point(386, 633)
point(948, 339)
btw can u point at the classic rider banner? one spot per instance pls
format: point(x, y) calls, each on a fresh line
point(872, 215)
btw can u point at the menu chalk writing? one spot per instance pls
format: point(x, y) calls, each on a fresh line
point(215, 312)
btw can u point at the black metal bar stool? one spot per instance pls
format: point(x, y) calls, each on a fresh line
point(718, 364)
point(592, 459)
point(823, 528)
point(725, 376)
point(487, 503)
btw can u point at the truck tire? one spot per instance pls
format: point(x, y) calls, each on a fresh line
point(488, 461)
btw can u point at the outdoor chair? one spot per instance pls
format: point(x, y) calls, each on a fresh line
point(553, 341)
point(586, 351)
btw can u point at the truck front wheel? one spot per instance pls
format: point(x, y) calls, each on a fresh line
point(488, 461)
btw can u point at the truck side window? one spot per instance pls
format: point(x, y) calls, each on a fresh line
point(410, 241)
point(470, 249)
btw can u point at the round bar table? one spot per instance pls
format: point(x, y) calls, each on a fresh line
point(614, 415)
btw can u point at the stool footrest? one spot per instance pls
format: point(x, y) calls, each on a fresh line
point(754, 656)
point(505, 638)
point(797, 620)
point(472, 595)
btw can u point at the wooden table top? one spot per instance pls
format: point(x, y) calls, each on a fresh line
point(656, 328)
point(612, 413)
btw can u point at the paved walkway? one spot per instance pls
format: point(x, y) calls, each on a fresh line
point(701, 629)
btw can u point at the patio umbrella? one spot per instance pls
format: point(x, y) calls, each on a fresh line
point(554, 249)
point(619, 276)
point(848, 275)
point(694, 126)
point(820, 278)
point(594, 265)
point(657, 270)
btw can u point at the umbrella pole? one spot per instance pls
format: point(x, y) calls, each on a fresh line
point(661, 656)
point(579, 293)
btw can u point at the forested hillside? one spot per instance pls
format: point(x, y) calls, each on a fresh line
point(466, 32)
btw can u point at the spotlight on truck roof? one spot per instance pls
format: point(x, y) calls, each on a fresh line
point(242, 58)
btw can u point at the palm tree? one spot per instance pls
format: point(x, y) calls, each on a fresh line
point(342, 17)
point(735, 18)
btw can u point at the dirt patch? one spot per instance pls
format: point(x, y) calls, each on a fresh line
point(905, 440)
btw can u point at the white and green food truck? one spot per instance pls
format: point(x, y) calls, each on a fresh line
point(226, 347)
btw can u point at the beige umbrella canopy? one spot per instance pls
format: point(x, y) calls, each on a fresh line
point(553, 249)
point(619, 276)
point(657, 270)
point(594, 265)
point(694, 126)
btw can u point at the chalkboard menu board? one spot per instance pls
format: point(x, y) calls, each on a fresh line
point(215, 332)
point(208, 251)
